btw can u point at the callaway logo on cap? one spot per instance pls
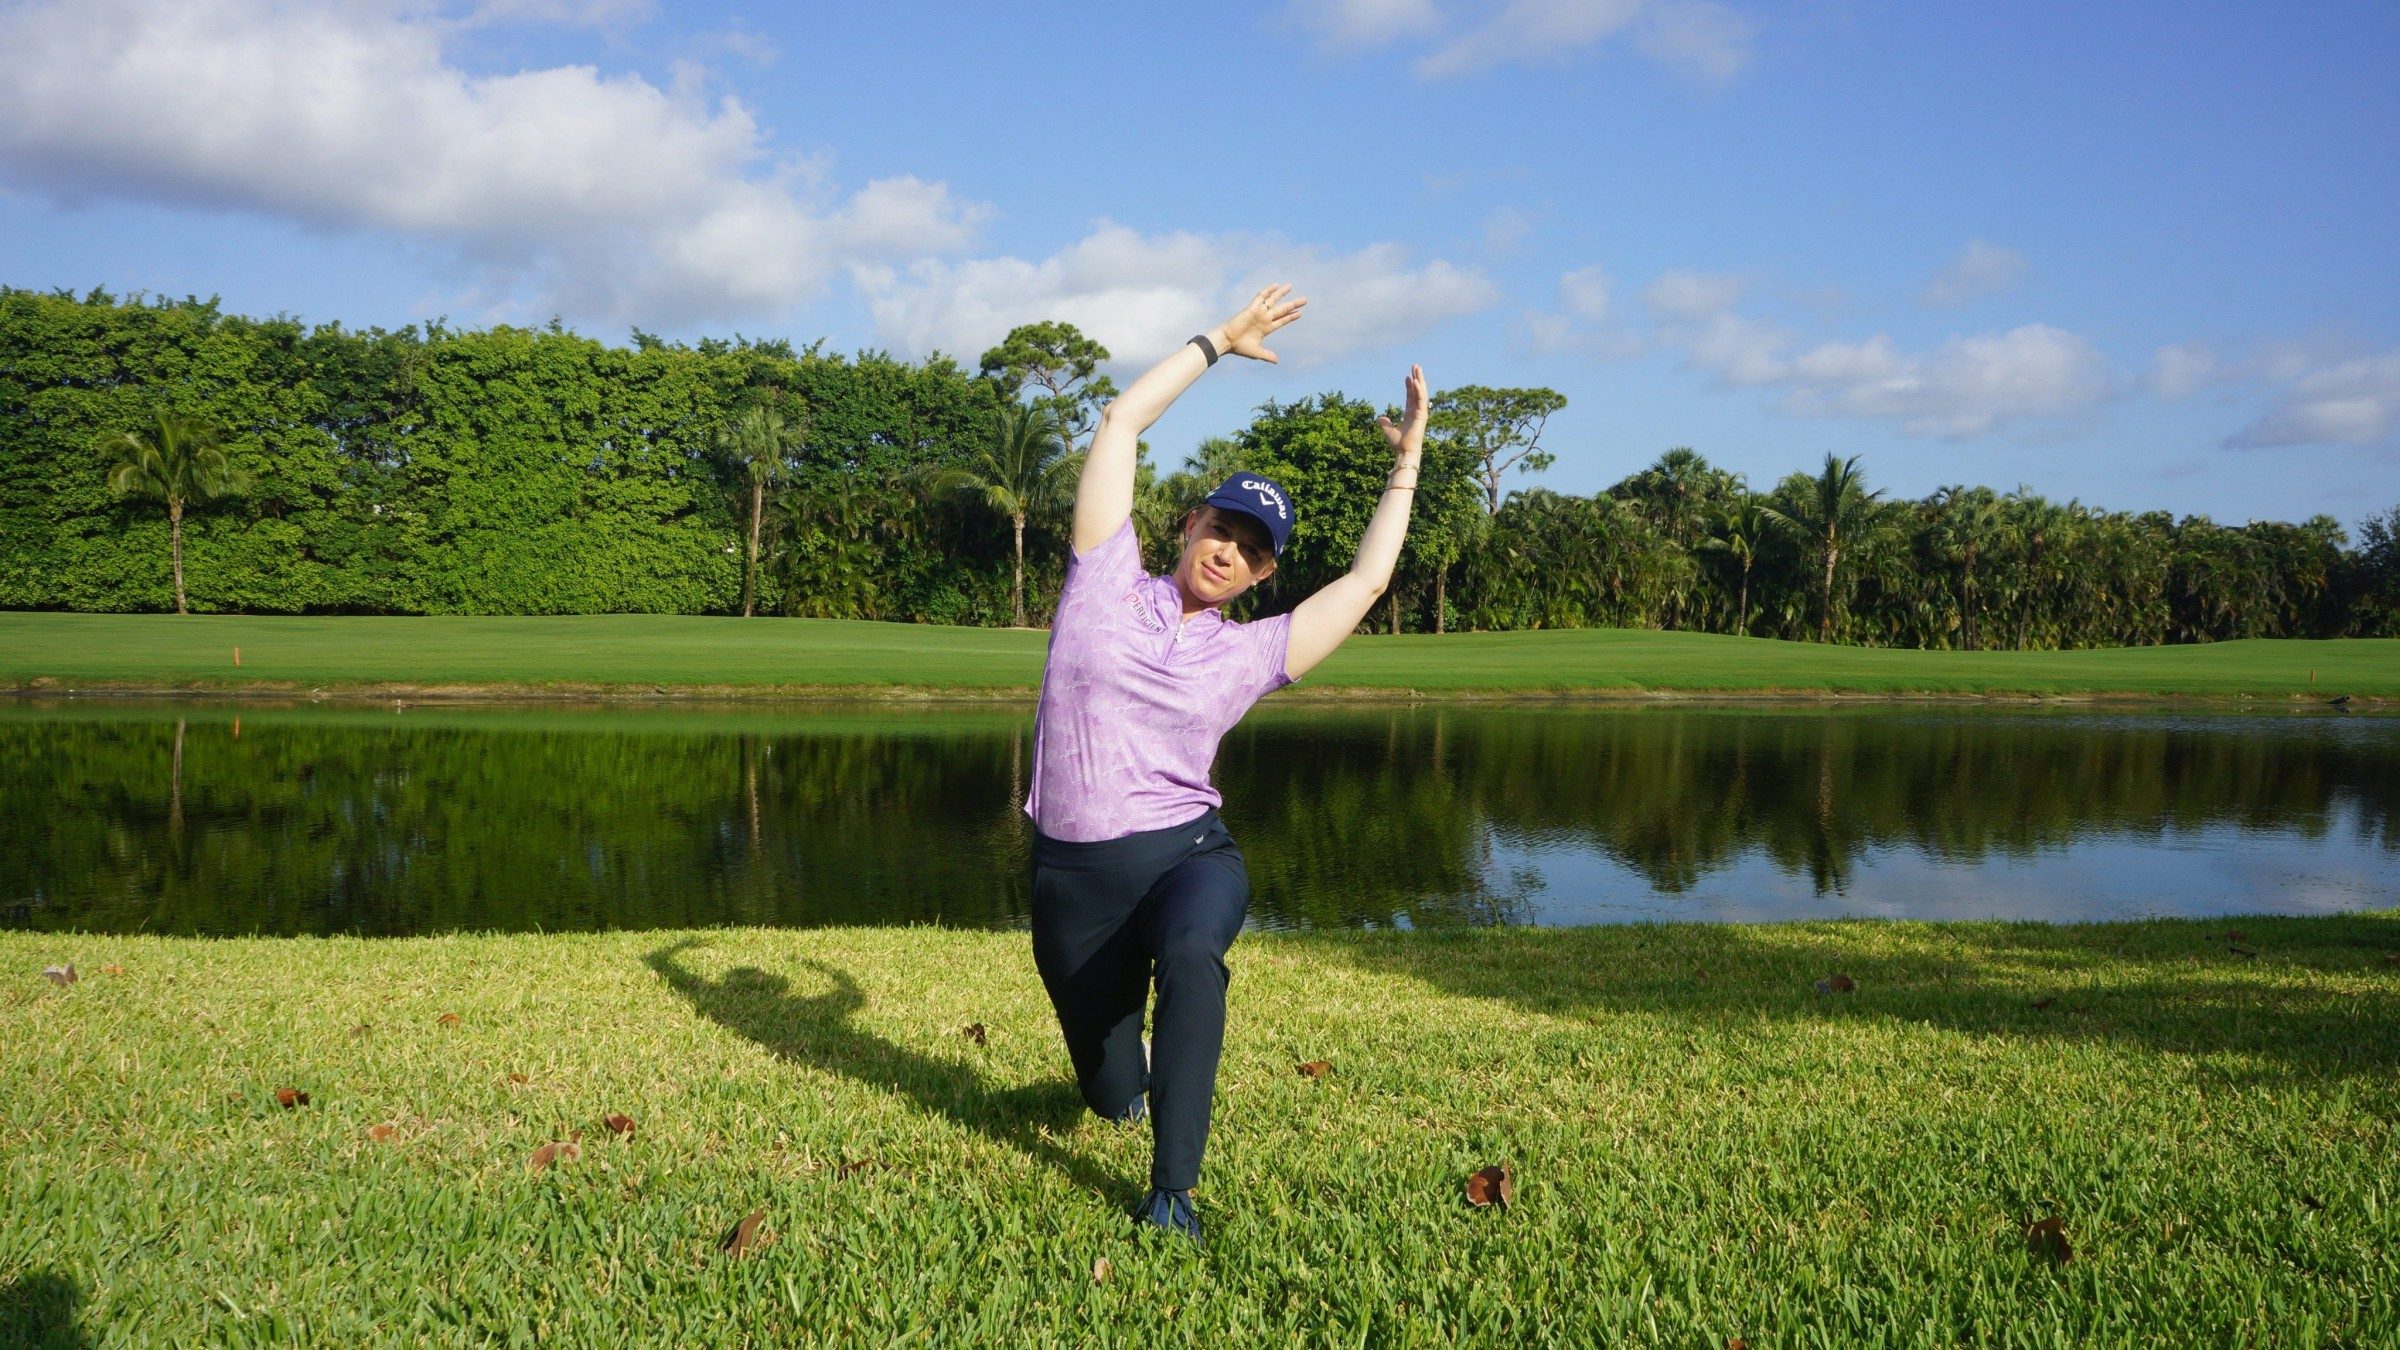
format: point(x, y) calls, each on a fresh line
point(1260, 498)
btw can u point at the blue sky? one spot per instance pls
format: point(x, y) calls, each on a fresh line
point(2142, 255)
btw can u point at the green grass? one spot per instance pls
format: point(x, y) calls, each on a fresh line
point(1705, 1146)
point(641, 653)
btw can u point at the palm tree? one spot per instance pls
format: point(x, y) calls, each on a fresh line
point(178, 461)
point(759, 440)
point(829, 542)
point(2040, 531)
point(1737, 532)
point(1024, 470)
point(1829, 514)
point(1967, 523)
point(1676, 489)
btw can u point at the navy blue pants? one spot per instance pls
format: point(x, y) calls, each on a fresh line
point(1109, 919)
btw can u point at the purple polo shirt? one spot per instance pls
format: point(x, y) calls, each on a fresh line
point(1135, 698)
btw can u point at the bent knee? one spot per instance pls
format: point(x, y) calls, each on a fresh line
point(1117, 1110)
point(1192, 949)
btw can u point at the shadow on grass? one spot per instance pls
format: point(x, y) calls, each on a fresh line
point(2172, 986)
point(38, 1307)
point(816, 1030)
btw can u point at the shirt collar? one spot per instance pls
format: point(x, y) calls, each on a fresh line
point(1166, 598)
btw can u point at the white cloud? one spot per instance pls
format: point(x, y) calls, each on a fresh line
point(588, 13)
point(1585, 291)
point(1694, 37)
point(1984, 268)
point(2183, 369)
point(1139, 295)
point(1735, 349)
point(2348, 402)
point(737, 42)
point(563, 187)
point(1581, 325)
point(1705, 41)
point(1529, 31)
point(1505, 228)
point(1693, 295)
point(1966, 387)
point(1354, 24)
point(1545, 333)
point(904, 217)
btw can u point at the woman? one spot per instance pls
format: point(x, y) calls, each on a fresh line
point(1134, 878)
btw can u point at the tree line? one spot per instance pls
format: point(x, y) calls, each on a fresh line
point(156, 453)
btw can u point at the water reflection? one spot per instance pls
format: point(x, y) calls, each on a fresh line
point(212, 818)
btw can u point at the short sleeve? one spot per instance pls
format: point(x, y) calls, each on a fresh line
point(1270, 642)
point(1113, 562)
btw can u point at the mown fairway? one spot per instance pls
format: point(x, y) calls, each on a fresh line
point(639, 653)
point(1705, 1146)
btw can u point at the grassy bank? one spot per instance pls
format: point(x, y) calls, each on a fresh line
point(646, 654)
point(1705, 1146)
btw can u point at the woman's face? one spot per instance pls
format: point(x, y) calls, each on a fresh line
point(1224, 554)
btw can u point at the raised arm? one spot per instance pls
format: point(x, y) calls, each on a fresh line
point(1324, 619)
point(1104, 494)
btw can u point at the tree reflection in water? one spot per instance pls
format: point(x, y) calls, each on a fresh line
point(169, 818)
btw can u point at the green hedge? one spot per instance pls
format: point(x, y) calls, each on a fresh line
point(429, 470)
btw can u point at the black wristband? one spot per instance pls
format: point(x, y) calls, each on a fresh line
point(1207, 348)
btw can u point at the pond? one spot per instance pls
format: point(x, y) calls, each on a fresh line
point(215, 817)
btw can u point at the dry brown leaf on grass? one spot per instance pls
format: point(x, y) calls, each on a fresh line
point(517, 1078)
point(287, 1098)
point(745, 1237)
point(446, 1020)
point(1490, 1186)
point(974, 1031)
point(619, 1124)
point(360, 1030)
point(60, 974)
point(2048, 1238)
point(556, 1151)
point(845, 1171)
point(112, 968)
point(379, 1133)
point(1101, 1270)
point(1316, 1068)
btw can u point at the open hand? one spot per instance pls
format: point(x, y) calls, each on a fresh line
point(1245, 333)
point(1408, 434)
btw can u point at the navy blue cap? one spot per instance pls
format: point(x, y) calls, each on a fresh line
point(1260, 498)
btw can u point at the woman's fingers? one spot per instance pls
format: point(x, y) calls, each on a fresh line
point(1268, 310)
